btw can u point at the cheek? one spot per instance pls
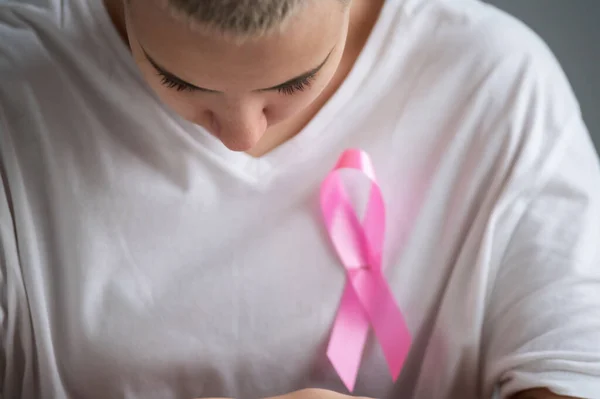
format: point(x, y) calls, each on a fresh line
point(180, 102)
point(282, 107)
point(183, 103)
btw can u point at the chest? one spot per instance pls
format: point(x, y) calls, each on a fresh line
point(160, 275)
point(220, 287)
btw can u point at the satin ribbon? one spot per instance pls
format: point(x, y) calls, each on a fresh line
point(367, 300)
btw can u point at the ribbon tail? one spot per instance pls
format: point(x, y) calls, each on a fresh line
point(390, 328)
point(386, 319)
point(348, 338)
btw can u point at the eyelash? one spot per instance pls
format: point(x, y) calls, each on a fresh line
point(288, 90)
point(173, 84)
point(297, 86)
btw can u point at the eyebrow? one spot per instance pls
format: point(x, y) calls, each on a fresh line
point(287, 83)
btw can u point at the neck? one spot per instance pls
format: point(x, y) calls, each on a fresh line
point(116, 11)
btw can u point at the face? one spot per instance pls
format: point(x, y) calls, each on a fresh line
point(237, 90)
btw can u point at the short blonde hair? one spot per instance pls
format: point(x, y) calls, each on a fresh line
point(241, 18)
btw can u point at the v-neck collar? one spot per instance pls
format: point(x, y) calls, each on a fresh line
point(313, 135)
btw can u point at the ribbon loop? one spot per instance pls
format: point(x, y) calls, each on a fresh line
point(367, 299)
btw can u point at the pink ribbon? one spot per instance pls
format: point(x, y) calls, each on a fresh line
point(367, 299)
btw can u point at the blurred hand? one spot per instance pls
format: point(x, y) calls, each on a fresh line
point(313, 394)
point(316, 394)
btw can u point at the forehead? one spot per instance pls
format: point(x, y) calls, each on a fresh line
point(216, 61)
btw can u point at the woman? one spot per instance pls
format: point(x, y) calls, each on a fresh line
point(160, 235)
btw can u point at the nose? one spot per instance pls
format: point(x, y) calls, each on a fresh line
point(239, 125)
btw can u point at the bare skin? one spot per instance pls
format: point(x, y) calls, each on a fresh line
point(324, 394)
point(237, 110)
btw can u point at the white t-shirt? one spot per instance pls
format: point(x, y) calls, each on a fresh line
point(139, 258)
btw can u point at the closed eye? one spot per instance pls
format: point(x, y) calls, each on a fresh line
point(296, 86)
point(287, 89)
point(292, 86)
point(176, 84)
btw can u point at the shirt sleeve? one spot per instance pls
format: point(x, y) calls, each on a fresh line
point(15, 328)
point(543, 322)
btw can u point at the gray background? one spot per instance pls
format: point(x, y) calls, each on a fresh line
point(572, 29)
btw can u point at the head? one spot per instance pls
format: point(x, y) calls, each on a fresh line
point(237, 67)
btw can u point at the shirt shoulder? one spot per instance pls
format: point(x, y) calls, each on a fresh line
point(43, 38)
point(55, 49)
point(470, 50)
point(487, 31)
point(26, 22)
point(481, 77)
